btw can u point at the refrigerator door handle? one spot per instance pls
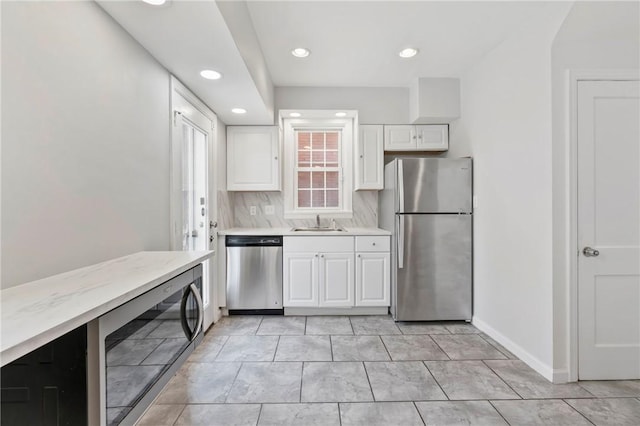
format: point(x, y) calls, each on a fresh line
point(400, 208)
point(400, 241)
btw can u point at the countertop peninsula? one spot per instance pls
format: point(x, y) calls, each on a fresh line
point(38, 312)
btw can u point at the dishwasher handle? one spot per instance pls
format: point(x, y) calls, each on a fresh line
point(254, 241)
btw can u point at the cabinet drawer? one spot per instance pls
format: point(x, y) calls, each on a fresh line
point(372, 243)
point(317, 244)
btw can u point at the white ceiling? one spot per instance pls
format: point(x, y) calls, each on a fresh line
point(353, 43)
point(356, 43)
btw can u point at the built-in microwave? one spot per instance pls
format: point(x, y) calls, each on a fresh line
point(143, 342)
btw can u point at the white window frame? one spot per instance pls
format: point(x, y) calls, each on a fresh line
point(345, 127)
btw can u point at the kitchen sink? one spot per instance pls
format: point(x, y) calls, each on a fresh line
point(318, 229)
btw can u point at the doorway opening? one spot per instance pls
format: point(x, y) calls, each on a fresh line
point(193, 185)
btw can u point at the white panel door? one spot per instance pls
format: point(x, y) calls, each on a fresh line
point(372, 279)
point(433, 137)
point(399, 138)
point(253, 154)
point(608, 230)
point(336, 279)
point(300, 279)
point(370, 157)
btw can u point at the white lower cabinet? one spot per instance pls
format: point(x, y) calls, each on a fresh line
point(324, 272)
point(300, 276)
point(372, 279)
point(336, 279)
point(373, 276)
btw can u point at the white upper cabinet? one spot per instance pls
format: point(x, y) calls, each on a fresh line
point(427, 137)
point(399, 138)
point(434, 137)
point(253, 158)
point(369, 164)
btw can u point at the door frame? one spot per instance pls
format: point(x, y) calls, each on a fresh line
point(572, 79)
point(177, 88)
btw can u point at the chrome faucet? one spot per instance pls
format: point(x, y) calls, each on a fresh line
point(317, 221)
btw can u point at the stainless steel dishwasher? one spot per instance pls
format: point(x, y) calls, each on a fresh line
point(254, 274)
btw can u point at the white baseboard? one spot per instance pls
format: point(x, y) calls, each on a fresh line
point(560, 375)
point(555, 376)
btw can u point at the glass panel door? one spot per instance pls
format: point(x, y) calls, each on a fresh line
point(195, 203)
point(194, 189)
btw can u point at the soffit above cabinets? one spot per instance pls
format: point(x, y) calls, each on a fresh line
point(187, 37)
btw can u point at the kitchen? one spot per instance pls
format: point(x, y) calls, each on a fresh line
point(75, 195)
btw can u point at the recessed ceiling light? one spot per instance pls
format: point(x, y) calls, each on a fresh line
point(210, 74)
point(294, 114)
point(341, 114)
point(155, 2)
point(409, 52)
point(238, 110)
point(300, 52)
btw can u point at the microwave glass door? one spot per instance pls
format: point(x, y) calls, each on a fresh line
point(138, 353)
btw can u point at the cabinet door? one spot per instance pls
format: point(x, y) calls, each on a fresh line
point(253, 158)
point(399, 138)
point(336, 280)
point(300, 279)
point(433, 137)
point(47, 386)
point(372, 279)
point(370, 158)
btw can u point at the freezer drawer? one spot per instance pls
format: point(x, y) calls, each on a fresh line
point(434, 282)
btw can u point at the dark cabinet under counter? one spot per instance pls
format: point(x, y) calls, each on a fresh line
point(47, 386)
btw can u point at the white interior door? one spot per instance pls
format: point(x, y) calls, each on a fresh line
point(608, 230)
point(193, 186)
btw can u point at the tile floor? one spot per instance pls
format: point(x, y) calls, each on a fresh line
point(254, 370)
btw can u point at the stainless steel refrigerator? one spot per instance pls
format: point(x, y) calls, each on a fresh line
point(427, 205)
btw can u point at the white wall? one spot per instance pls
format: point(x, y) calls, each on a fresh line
point(85, 141)
point(375, 105)
point(506, 126)
point(595, 35)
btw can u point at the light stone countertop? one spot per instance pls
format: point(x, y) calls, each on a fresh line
point(35, 313)
point(288, 232)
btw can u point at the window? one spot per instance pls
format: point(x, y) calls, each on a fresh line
point(317, 168)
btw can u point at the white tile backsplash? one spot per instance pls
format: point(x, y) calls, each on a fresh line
point(365, 211)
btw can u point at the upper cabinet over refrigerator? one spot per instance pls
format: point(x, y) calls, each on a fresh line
point(431, 185)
